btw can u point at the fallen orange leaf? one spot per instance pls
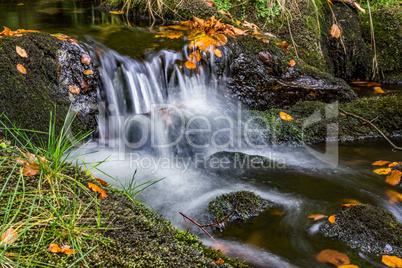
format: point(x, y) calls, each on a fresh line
point(393, 164)
point(8, 236)
point(391, 261)
point(380, 163)
point(348, 266)
point(21, 69)
point(102, 182)
point(84, 85)
point(348, 205)
point(218, 53)
point(20, 4)
point(190, 65)
point(86, 59)
point(394, 178)
point(96, 188)
point(284, 116)
point(331, 219)
point(54, 248)
point(284, 45)
point(116, 12)
point(333, 256)
point(218, 261)
point(292, 63)
point(382, 171)
point(30, 169)
point(88, 72)
point(67, 250)
point(335, 31)
point(316, 217)
point(74, 89)
point(378, 90)
point(21, 52)
point(394, 196)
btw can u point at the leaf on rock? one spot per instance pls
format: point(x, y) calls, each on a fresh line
point(335, 31)
point(116, 12)
point(284, 45)
point(265, 57)
point(102, 182)
point(96, 188)
point(8, 237)
point(190, 65)
point(174, 35)
point(332, 256)
point(378, 90)
point(292, 63)
point(86, 59)
point(391, 261)
point(88, 72)
point(54, 248)
point(84, 85)
point(74, 89)
point(394, 178)
point(348, 205)
point(331, 219)
point(218, 261)
point(21, 69)
point(393, 164)
point(316, 217)
point(382, 171)
point(218, 53)
point(284, 116)
point(380, 163)
point(21, 52)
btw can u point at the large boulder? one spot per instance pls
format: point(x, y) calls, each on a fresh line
point(52, 65)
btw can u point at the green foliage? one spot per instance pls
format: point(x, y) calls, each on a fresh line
point(224, 5)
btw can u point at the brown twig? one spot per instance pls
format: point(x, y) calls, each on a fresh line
point(196, 223)
point(395, 148)
point(221, 220)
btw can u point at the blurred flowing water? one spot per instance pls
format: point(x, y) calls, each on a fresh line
point(160, 119)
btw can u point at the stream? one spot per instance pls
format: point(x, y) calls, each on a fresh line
point(159, 120)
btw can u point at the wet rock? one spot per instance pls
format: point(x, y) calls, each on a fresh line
point(52, 66)
point(262, 77)
point(240, 205)
point(368, 228)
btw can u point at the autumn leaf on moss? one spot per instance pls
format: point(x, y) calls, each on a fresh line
point(382, 171)
point(316, 217)
point(8, 236)
point(21, 69)
point(96, 188)
point(391, 261)
point(348, 205)
point(292, 63)
point(102, 182)
point(335, 31)
point(284, 116)
point(331, 219)
point(284, 45)
point(88, 72)
point(85, 59)
point(54, 248)
point(332, 256)
point(21, 52)
point(380, 163)
point(218, 261)
point(394, 178)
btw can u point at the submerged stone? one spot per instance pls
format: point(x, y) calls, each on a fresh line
point(368, 228)
point(240, 205)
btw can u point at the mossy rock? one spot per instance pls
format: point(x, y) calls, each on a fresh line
point(51, 66)
point(368, 228)
point(240, 205)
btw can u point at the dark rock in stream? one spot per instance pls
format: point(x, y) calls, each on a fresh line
point(368, 228)
point(240, 205)
point(51, 67)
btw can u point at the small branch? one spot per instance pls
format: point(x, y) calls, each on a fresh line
point(196, 223)
point(361, 119)
point(221, 220)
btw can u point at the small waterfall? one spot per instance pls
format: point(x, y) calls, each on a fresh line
point(161, 106)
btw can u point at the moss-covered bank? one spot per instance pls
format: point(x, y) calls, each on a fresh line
point(311, 120)
point(115, 231)
point(51, 66)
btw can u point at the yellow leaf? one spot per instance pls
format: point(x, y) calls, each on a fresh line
point(21, 69)
point(333, 256)
point(348, 266)
point(380, 163)
point(284, 116)
point(21, 52)
point(88, 72)
point(292, 63)
point(331, 219)
point(394, 178)
point(378, 90)
point(9, 236)
point(174, 35)
point(335, 31)
point(316, 217)
point(217, 52)
point(382, 171)
point(391, 261)
point(116, 12)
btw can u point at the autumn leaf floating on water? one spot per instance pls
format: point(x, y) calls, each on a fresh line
point(54, 248)
point(382, 171)
point(394, 196)
point(284, 116)
point(21, 69)
point(96, 188)
point(316, 217)
point(20, 51)
point(335, 31)
point(332, 256)
point(378, 90)
point(393, 164)
point(394, 178)
point(380, 163)
point(116, 12)
point(391, 261)
point(8, 236)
